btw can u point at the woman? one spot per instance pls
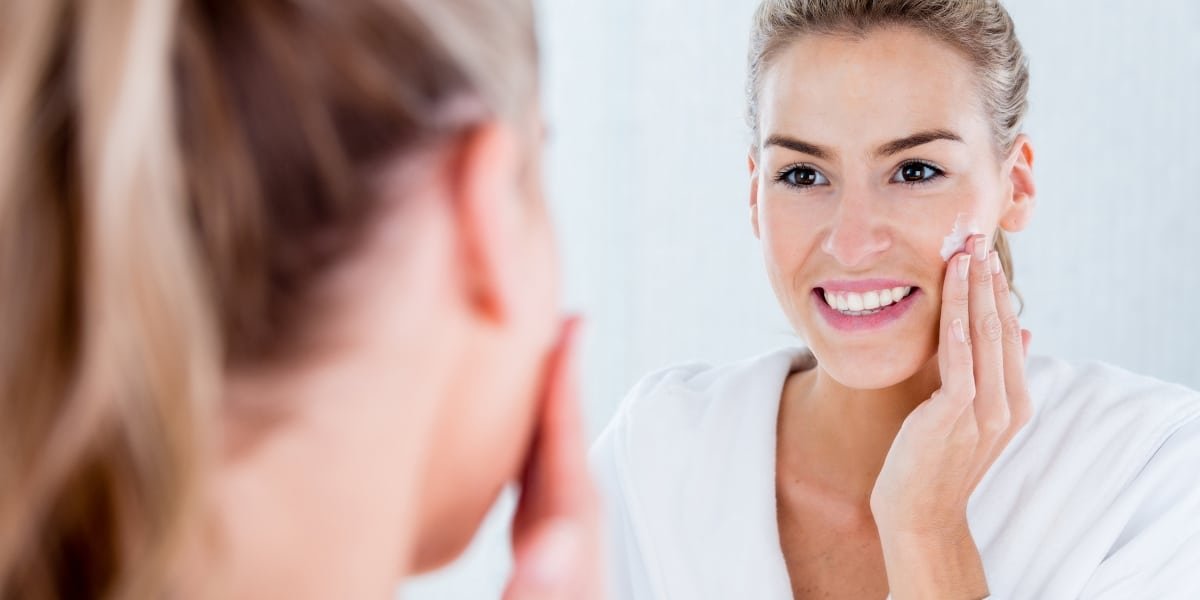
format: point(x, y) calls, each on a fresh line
point(279, 300)
point(909, 449)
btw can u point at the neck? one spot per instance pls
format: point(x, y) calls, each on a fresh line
point(315, 500)
point(835, 438)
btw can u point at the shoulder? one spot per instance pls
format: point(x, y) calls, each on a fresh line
point(1106, 399)
point(687, 446)
point(1099, 427)
point(686, 399)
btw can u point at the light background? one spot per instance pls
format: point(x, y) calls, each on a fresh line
point(647, 172)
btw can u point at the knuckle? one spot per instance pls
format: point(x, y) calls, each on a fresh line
point(1000, 283)
point(980, 274)
point(959, 298)
point(990, 328)
point(1012, 329)
point(995, 425)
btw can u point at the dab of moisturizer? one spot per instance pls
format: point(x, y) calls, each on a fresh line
point(964, 227)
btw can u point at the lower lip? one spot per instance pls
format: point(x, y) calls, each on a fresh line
point(888, 315)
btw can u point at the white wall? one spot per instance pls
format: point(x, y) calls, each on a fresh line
point(647, 171)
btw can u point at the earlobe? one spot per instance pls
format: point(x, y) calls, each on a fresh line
point(485, 184)
point(1021, 204)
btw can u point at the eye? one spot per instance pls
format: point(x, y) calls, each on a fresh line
point(916, 172)
point(802, 176)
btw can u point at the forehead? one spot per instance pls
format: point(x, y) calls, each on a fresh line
point(844, 90)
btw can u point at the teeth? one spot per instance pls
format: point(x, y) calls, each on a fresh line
point(855, 304)
point(871, 300)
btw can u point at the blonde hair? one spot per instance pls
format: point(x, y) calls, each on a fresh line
point(981, 29)
point(174, 177)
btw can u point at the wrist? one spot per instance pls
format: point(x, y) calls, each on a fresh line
point(933, 562)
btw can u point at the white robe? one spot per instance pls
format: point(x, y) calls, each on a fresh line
point(1098, 497)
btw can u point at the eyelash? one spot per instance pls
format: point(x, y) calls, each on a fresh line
point(938, 173)
point(782, 175)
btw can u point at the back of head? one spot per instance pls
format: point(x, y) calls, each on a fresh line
point(174, 176)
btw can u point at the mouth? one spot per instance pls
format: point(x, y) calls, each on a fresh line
point(861, 306)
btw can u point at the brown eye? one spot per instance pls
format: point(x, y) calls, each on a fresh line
point(915, 172)
point(803, 177)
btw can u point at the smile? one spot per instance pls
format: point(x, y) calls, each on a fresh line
point(864, 305)
point(855, 304)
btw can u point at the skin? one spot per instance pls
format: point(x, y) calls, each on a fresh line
point(440, 373)
point(881, 445)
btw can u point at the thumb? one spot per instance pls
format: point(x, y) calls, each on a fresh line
point(1026, 339)
point(546, 562)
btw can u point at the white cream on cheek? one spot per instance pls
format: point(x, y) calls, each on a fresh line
point(964, 227)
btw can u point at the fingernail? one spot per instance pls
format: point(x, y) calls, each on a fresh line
point(959, 333)
point(964, 265)
point(557, 555)
point(981, 249)
point(995, 264)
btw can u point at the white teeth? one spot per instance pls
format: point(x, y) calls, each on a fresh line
point(856, 304)
point(871, 300)
point(854, 300)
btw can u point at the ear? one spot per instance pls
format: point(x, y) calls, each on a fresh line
point(1019, 168)
point(753, 164)
point(485, 181)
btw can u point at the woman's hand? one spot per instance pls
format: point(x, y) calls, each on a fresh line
point(947, 444)
point(556, 530)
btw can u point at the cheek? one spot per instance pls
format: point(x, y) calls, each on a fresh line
point(946, 222)
point(789, 229)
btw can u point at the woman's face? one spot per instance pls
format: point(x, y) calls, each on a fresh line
point(870, 150)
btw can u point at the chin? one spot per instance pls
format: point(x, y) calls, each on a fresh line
point(872, 367)
point(446, 540)
point(862, 375)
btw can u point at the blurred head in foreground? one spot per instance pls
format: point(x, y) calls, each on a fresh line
point(277, 276)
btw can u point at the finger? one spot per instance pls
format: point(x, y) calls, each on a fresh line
point(548, 562)
point(555, 532)
point(987, 345)
point(954, 351)
point(556, 480)
point(1013, 338)
point(1014, 348)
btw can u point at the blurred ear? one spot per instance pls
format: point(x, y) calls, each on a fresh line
point(486, 184)
point(753, 164)
point(1019, 168)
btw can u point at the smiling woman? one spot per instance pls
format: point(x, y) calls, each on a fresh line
point(912, 448)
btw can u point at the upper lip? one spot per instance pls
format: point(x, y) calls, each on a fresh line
point(862, 285)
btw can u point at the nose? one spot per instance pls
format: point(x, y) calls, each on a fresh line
point(857, 235)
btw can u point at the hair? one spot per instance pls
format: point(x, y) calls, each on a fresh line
point(175, 175)
point(981, 30)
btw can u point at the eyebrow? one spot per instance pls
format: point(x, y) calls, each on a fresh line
point(893, 147)
point(917, 139)
point(796, 145)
